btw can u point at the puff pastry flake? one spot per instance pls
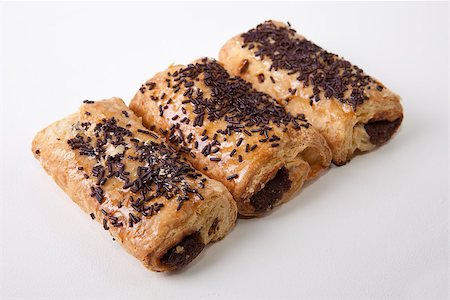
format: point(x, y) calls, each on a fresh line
point(149, 198)
point(352, 110)
point(233, 133)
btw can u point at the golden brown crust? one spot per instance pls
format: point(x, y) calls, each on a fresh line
point(155, 234)
point(339, 123)
point(297, 147)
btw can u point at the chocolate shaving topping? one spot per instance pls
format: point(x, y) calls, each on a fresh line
point(325, 71)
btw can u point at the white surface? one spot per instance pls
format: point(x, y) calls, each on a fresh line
point(376, 227)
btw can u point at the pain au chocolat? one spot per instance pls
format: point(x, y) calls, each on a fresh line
point(234, 134)
point(150, 199)
point(352, 110)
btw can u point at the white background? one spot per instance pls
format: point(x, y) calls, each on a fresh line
point(377, 227)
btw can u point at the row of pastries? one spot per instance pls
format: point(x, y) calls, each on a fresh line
point(203, 143)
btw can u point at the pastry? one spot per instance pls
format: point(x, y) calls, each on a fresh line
point(352, 110)
point(150, 200)
point(233, 133)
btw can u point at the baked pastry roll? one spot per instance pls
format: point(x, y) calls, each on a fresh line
point(352, 110)
point(150, 200)
point(233, 133)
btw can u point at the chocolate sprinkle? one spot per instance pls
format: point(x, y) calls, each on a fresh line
point(161, 171)
point(271, 79)
point(314, 66)
point(261, 78)
point(245, 111)
point(244, 66)
point(105, 224)
point(150, 85)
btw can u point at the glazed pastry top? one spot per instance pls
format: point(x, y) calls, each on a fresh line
point(205, 111)
point(142, 190)
point(324, 74)
point(130, 171)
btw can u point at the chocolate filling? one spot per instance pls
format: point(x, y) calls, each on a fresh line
point(381, 131)
point(272, 191)
point(184, 252)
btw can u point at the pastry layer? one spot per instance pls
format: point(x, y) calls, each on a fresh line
point(352, 110)
point(150, 199)
point(233, 133)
